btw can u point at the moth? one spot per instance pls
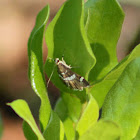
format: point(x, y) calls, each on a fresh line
point(70, 78)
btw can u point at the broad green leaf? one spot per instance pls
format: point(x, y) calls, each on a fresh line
point(55, 128)
point(103, 130)
point(103, 23)
point(66, 36)
point(100, 90)
point(69, 129)
point(138, 135)
point(89, 116)
point(22, 109)
point(1, 126)
point(122, 104)
point(36, 74)
point(73, 105)
point(28, 132)
point(62, 111)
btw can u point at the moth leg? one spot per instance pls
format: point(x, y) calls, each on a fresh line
point(63, 60)
point(61, 77)
point(65, 63)
point(67, 82)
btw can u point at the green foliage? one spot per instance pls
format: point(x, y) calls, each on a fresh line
point(89, 116)
point(103, 24)
point(28, 132)
point(103, 130)
point(55, 129)
point(66, 36)
point(86, 34)
point(109, 80)
point(36, 74)
point(22, 109)
point(63, 113)
point(73, 105)
point(122, 104)
point(137, 136)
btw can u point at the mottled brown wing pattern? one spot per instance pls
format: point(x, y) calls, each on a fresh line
point(69, 77)
point(72, 79)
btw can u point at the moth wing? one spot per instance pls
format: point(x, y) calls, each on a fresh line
point(74, 85)
point(78, 83)
point(82, 81)
point(73, 80)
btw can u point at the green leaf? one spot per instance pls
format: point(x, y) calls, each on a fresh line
point(138, 135)
point(89, 117)
point(62, 111)
point(66, 36)
point(69, 129)
point(36, 74)
point(103, 130)
point(100, 90)
point(89, 114)
point(28, 132)
point(1, 126)
point(73, 105)
point(22, 109)
point(55, 128)
point(122, 104)
point(103, 23)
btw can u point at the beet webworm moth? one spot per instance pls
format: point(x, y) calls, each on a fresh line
point(70, 78)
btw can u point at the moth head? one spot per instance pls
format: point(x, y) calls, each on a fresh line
point(57, 61)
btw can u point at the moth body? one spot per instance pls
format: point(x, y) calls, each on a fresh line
point(70, 78)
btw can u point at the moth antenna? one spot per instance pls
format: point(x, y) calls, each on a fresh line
point(50, 76)
point(63, 56)
point(75, 67)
